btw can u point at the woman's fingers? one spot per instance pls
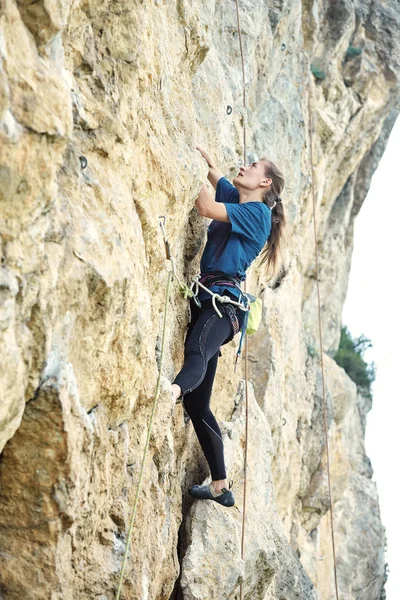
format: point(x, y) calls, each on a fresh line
point(204, 154)
point(201, 150)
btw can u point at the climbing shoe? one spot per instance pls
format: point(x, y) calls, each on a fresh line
point(206, 492)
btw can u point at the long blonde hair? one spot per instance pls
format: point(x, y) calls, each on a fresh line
point(278, 219)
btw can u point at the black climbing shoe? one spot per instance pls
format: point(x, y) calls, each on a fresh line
point(203, 492)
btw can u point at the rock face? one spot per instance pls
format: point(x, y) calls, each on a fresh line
point(101, 106)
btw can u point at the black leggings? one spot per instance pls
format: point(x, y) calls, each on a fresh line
point(206, 333)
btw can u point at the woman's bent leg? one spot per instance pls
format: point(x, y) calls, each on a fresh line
point(209, 332)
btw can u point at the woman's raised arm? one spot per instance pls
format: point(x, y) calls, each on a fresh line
point(214, 174)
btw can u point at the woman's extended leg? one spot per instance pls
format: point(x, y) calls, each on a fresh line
point(196, 378)
point(197, 405)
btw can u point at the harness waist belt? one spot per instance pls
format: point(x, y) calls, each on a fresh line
point(210, 279)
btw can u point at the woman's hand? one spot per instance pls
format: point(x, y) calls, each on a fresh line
point(214, 174)
point(206, 156)
point(203, 200)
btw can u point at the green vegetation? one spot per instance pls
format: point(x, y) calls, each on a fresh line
point(312, 351)
point(349, 356)
point(352, 51)
point(318, 74)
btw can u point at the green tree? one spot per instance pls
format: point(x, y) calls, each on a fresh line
point(349, 356)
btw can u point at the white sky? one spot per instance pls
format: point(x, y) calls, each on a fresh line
point(372, 308)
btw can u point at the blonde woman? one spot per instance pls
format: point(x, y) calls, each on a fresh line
point(246, 216)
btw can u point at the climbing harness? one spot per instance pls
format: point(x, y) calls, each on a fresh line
point(213, 279)
point(221, 279)
point(252, 306)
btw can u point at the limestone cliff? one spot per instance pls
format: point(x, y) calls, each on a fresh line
point(102, 103)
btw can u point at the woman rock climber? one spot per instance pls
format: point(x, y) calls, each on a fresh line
point(245, 216)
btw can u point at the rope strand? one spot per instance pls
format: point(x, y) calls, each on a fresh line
point(246, 337)
point(122, 572)
point(320, 324)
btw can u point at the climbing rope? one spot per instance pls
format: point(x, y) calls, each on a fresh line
point(320, 322)
point(246, 337)
point(185, 290)
point(319, 319)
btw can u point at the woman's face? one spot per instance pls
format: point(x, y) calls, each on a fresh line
point(252, 177)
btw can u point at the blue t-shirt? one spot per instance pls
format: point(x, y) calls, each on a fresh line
point(232, 247)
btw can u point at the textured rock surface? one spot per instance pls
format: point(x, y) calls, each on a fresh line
point(131, 88)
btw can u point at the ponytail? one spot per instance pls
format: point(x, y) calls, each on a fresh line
point(278, 221)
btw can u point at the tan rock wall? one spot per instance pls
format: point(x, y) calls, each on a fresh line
point(101, 106)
